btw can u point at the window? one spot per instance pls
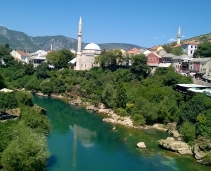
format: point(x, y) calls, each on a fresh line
point(191, 52)
point(191, 46)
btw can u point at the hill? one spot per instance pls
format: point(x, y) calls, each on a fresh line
point(21, 41)
point(200, 38)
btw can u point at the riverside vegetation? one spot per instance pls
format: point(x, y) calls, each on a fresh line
point(133, 91)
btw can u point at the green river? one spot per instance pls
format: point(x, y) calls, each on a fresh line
point(81, 141)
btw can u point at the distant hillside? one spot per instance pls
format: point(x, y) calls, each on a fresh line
point(200, 38)
point(21, 41)
point(16, 40)
point(124, 46)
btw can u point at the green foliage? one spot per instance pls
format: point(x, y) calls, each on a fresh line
point(121, 97)
point(138, 119)
point(121, 112)
point(1, 82)
point(139, 66)
point(188, 131)
point(24, 98)
point(207, 159)
point(27, 151)
point(108, 59)
point(60, 58)
point(7, 101)
point(177, 51)
point(6, 134)
point(42, 70)
point(108, 96)
point(193, 107)
point(32, 118)
point(203, 50)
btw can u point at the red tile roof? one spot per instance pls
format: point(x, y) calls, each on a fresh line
point(190, 43)
point(154, 48)
point(133, 51)
point(22, 53)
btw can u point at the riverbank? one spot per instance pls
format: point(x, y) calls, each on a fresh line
point(172, 143)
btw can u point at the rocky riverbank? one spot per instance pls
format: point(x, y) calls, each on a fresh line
point(173, 143)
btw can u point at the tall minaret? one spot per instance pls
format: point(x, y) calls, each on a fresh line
point(78, 57)
point(79, 35)
point(178, 36)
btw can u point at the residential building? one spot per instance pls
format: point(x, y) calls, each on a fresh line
point(20, 55)
point(189, 47)
point(154, 60)
point(201, 65)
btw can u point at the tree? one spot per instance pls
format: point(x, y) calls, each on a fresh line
point(7, 101)
point(24, 98)
point(188, 131)
point(177, 51)
point(4, 51)
point(167, 48)
point(108, 95)
point(193, 107)
point(42, 70)
point(60, 58)
point(1, 82)
point(108, 59)
point(203, 50)
point(27, 151)
point(121, 97)
point(139, 66)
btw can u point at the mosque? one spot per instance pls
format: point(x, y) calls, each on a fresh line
point(85, 58)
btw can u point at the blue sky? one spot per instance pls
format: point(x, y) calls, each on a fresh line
point(141, 22)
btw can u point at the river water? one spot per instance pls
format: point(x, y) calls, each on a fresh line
point(80, 141)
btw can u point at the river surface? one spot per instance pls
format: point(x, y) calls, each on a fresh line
point(80, 141)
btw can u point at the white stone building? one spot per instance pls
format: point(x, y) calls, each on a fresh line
point(85, 58)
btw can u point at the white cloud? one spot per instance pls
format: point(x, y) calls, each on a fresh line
point(172, 40)
point(163, 36)
point(155, 38)
point(183, 36)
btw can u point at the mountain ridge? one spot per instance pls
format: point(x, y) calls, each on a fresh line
point(22, 41)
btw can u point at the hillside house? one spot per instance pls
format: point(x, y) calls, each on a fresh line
point(154, 60)
point(189, 47)
point(19, 55)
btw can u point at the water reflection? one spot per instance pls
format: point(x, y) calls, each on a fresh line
point(81, 141)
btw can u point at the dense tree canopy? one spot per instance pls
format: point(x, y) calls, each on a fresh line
point(203, 50)
point(139, 66)
point(60, 58)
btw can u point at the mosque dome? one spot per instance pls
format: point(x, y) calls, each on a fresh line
point(92, 46)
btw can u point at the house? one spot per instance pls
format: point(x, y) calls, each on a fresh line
point(177, 61)
point(168, 57)
point(19, 55)
point(189, 47)
point(133, 51)
point(154, 60)
point(201, 65)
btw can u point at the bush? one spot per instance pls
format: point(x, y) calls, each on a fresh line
point(138, 119)
point(207, 159)
point(24, 98)
point(188, 131)
point(121, 111)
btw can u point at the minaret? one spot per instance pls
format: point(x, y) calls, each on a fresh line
point(78, 57)
point(178, 36)
point(79, 35)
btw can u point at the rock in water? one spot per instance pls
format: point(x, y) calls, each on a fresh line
point(141, 145)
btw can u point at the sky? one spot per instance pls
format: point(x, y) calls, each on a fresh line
point(141, 22)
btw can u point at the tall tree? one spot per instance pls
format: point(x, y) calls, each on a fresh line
point(139, 66)
point(121, 97)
